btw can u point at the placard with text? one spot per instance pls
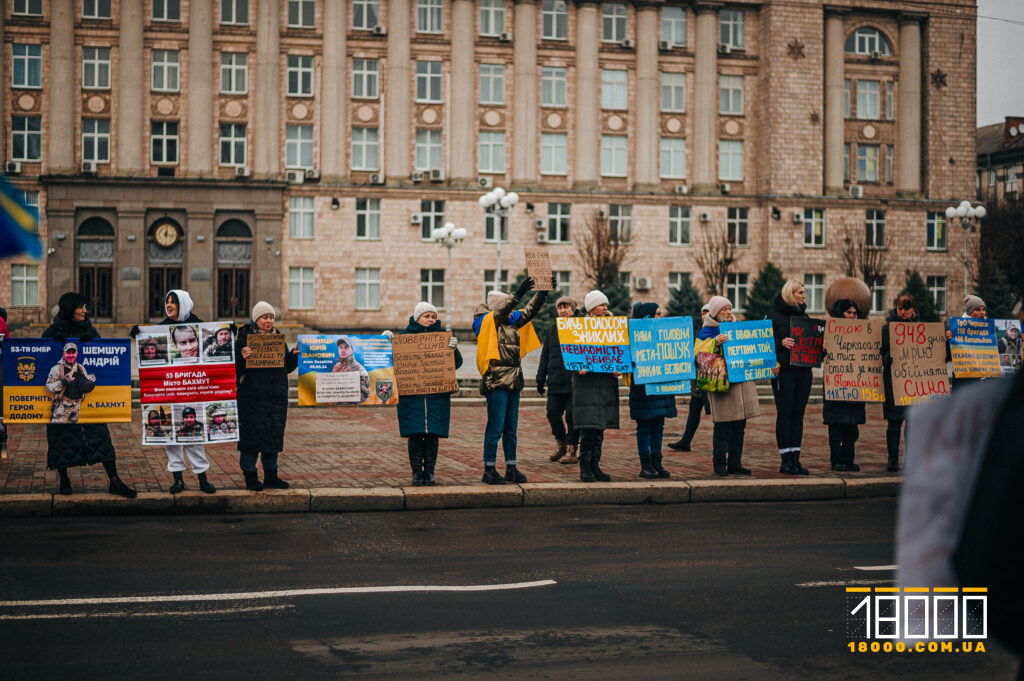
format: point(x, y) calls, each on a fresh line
point(662, 349)
point(367, 357)
point(918, 371)
point(424, 364)
point(808, 335)
point(598, 344)
point(749, 350)
point(974, 348)
point(852, 367)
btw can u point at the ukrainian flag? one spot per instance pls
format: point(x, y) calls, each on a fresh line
point(19, 224)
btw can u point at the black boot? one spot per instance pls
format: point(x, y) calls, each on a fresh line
point(205, 485)
point(682, 446)
point(416, 460)
point(513, 475)
point(65, 482)
point(734, 465)
point(718, 461)
point(272, 481)
point(646, 469)
point(787, 466)
point(178, 485)
point(656, 464)
point(492, 477)
point(429, 461)
point(586, 474)
point(599, 474)
point(796, 464)
point(252, 481)
point(118, 487)
point(894, 463)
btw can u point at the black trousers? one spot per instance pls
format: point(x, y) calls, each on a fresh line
point(841, 440)
point(892, 436)
point(727, 443)
point(591, 441)
point(791, 388)
point(560, 404)
point(699, 403)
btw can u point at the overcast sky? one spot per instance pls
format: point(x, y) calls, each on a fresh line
point(1000, 60)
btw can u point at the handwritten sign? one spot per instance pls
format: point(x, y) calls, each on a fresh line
point(673, 388)
point(749, 351)
point(852, 367)
point(598, 344)
point(538, 266)
point(267, 351)
point(809, 335)
point(918, 368)
point(424, 364)
point(662, 349)
point(973, 347)
point(339, 387)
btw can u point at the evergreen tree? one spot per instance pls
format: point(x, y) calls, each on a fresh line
point(619, 299)
point(685, 301)
point(994, 288)
point(766, 287)
point(922, 297)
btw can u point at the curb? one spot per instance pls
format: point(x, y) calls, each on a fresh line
point(342, 500)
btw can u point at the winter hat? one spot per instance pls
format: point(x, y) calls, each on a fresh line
point(261, 308)
point(644, 310)
point(495, 299)
point(703, 309)
point(567, 301)
point(185, 304)
point(972, 303)
point(593, 299)
point(716, 304)
point(68, 303)
point(422, 308)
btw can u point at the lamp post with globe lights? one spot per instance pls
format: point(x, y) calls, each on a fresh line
point(499, 203)
point(449, 236)
point(969, 217)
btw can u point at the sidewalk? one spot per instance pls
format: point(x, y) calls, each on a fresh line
point(358, 450)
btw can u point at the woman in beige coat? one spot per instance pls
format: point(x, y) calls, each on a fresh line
point(731, 409)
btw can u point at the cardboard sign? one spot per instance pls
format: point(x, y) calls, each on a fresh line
point(267, 351)
point(973, 347)
point(538, 266)
point(749, 351)
point(368, 357)
point(809, 335)
point(424, 364)
point(662, 349)
point(852, 366)
point(918, 351)
point(598, 344)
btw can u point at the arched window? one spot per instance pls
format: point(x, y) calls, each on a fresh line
point(868, 40)
point(234, 229)
point(96, 265)
point(95, 226)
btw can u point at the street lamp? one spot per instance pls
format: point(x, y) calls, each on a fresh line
point(498, 203)
point(448, 236)
point(969, 217)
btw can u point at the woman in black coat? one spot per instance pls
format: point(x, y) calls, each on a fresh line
point(792, 386)
point(905, 311)
point(649, 412)
point(843, 418)
point(595, 404)
point(79, 444)
point(262, 404)
point(552, 377)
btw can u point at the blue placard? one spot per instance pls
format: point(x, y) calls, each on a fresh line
point(662, 349)
point(673, 388)
point(972, 332)
point(749, 351)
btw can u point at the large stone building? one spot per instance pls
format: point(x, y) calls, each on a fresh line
point(1001, 160)
point(301, 151)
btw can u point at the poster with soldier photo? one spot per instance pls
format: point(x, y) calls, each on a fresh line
point(152, 349)
point(184, 344)
point(189, 423)
point(221, 421)
point(157, 427)
point(218, 343)
point(1010, 345)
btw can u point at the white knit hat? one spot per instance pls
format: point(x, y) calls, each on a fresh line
point(593, 299)
point(716, 304)
point(421, 308)
point(495, 299)
point(261, 308)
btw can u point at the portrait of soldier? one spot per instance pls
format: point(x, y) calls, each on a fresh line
point(150, 350)
point(156, 422)
point(219, 344)
point(219, 427)
point(68, 382)
point(190, 427)
point(347, 362)
point(186, 341)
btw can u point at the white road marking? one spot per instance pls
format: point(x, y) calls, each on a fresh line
point(154, 613)
point(848, 582)
point(868, 568)
point(287, 593)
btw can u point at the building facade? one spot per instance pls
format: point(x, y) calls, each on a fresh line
point(1000, 160)
point(301, 151)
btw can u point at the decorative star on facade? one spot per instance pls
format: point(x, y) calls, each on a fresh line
point(938, 79)
point(815, 117)
point(796, 49)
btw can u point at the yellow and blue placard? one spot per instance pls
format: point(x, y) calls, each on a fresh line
point(973, 347)
point(749, 350)
point(597, 344)
point(33, 392)
point(19, 231)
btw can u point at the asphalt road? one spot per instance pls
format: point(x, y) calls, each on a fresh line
point(691, 591)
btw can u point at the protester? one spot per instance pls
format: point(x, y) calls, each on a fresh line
point(699, 403)
point(552, 376)
point(262, 404)
point(79, 444)
point(731, 409)
point(424, 419)
point(504, 336)
point(904, 310)
point(595, 403)
point(843, 418)
point(649, 412)
point(792, 386)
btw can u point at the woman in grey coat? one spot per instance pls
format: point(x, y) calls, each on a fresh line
point(595, 404)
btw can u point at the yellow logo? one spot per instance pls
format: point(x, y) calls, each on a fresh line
point(26, 368)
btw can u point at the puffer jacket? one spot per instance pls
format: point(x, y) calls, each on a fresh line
point(781, 317)
point(506, 372)
point(551, 370)
point(262, 398)
point(595, 401)
point(430, 414)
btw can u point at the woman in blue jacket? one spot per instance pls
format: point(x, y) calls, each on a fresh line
point(423, 419)
point(649, 412)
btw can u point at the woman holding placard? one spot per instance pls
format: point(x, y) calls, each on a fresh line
point(730, 409)
point(904, 311)
point(262, 403)
point(792, 386)
point(595, 403)
point(424, 419)
point(843, 418)
point(649, 412)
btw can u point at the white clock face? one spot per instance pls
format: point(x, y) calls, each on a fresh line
point(166, 235)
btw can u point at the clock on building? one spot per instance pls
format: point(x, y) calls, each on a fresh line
point(165, 234)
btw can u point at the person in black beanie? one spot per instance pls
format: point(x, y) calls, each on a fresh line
point(79, 444)
point(557, 382)
point(843, 418)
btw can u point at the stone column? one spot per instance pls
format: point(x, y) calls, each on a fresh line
point(60, 267)
point(647, 99)
point(705, 99)
point(588, 97)
point(201, 98)
point(131, 92)
point(200, 256)
point(265, 258)
point(908, 109)
point(60, 133)
point(130, 301)
point(334, 94)
point(396, 135)
point(834, 120)
point(463, 106)
point(524, 136)
point(268, 88)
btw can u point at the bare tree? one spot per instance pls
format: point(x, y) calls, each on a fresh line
point(861, 258)
point(715, 256)
point(601, 251)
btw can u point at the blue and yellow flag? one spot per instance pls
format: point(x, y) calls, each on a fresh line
point(487, 342)
point(19, 224)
